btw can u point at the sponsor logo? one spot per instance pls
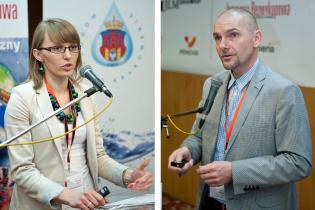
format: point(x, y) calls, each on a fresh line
point(270, 48)
point(265, 10)
point(112, 45)
point(190, 42)
point(174, 4)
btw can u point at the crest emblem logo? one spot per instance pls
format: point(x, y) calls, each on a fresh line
point(112, 45)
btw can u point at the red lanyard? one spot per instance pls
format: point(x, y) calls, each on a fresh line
point(69, 141)
point(228, 130)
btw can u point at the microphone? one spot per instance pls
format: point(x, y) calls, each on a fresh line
point(87, 72)
point(215, 85)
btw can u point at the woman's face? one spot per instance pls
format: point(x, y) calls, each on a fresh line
point(56, 62)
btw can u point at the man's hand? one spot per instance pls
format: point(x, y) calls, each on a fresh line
point(177, 156)
point(216, 173)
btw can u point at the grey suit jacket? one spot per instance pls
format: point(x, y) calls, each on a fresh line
point(37, 170)
point(269, 146)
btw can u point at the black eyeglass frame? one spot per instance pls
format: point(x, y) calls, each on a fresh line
point(64, 49)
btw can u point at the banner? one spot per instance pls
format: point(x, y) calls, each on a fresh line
point(287, 36)
point(185, 41)
point(13, 70)
point(117, 39)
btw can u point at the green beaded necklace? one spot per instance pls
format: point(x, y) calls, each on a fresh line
point(54, 102)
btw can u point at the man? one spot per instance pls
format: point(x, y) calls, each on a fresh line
point(255, 142)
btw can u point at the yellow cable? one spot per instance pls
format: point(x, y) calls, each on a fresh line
point(175, 126)
point(56, 137)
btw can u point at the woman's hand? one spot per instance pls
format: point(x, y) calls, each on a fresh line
point(87, 200)
point(138, 179)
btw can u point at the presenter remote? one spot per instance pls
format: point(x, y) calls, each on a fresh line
point(179, 164)
point(104, 191)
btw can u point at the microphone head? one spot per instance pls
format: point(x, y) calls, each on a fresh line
point(87, 72)
point(84, 69)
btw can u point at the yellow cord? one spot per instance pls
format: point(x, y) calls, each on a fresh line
point(175, 126)
point(56, 137)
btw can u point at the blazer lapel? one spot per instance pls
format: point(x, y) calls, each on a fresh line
point(252, 92)
point(213, 119)
point(45, 107)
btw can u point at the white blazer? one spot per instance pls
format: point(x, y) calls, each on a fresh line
point(37, 170)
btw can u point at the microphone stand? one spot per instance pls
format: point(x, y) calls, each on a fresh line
point(88, 93)
point(164, 119)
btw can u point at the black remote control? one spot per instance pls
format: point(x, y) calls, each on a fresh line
point(179, 164)
point(104, 191)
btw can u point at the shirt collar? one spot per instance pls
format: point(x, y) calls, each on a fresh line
point(245, 78)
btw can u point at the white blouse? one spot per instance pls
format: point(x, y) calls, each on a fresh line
point(78, 176)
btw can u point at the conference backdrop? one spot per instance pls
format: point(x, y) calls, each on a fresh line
point(288, 32)
point(117, 39)
point(13, 70)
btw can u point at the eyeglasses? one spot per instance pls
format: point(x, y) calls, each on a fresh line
point(61, 49)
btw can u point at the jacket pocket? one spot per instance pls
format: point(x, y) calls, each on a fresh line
point(272, 197)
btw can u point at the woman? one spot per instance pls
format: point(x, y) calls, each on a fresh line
point(62, 173)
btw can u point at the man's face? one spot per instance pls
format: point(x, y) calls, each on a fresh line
point(235, 44)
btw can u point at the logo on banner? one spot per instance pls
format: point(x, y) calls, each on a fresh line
point(270, 48)
point(265, 10)
point(112, 45)
point(190, 43)
point(174, 4)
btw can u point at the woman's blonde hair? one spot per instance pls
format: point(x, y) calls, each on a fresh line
point(59, 31)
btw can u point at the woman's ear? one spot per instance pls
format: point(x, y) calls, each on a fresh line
point(38, 55)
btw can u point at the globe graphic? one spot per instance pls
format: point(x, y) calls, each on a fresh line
point(6, 83)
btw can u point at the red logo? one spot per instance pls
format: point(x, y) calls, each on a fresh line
point(113, 47)
point(190, 42)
